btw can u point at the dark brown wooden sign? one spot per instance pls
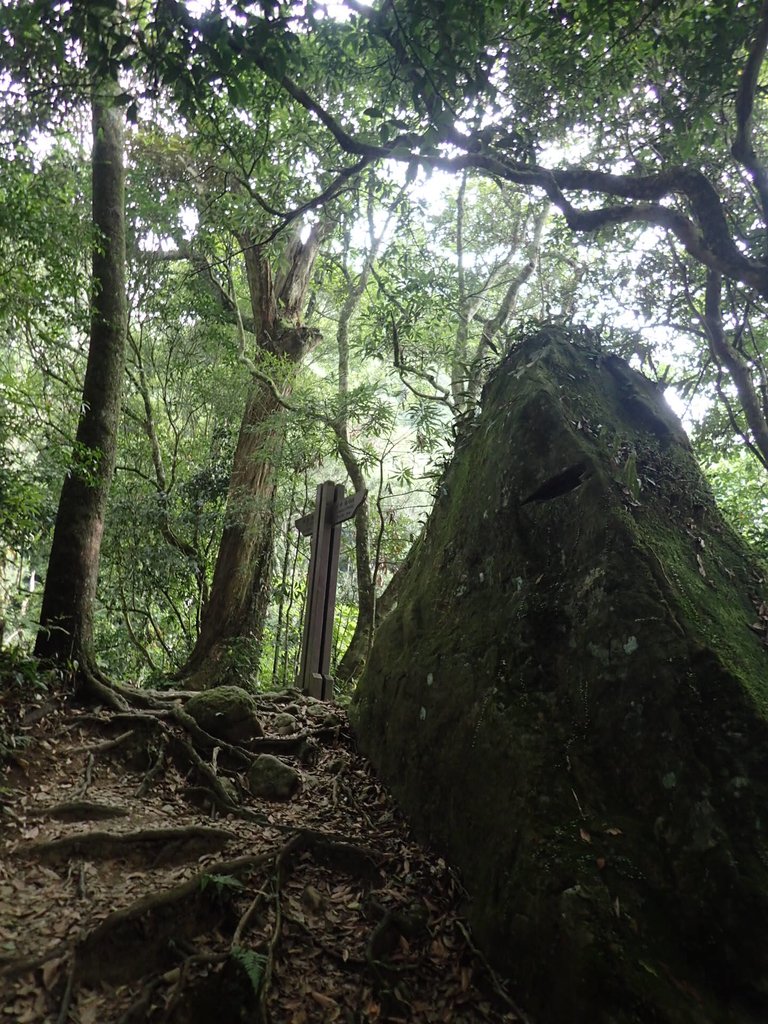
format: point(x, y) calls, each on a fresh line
point(324, 525)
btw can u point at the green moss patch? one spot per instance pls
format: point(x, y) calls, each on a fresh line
point(570, 701)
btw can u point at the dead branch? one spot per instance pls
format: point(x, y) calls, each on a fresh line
point(100, 748)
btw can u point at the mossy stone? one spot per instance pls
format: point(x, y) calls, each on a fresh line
point(227, 712)
point(272, 779)
point(285, 724)
point(569, 701)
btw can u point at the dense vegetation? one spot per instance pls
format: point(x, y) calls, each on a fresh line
point(334, 221)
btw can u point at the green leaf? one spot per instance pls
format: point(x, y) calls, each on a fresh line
point(220, 882)
point(253, 964)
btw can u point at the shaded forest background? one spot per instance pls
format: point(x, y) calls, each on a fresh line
point(248, 247)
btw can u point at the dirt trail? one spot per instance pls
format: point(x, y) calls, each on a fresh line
point(127, 896)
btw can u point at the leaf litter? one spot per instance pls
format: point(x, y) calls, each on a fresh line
point(323, 908)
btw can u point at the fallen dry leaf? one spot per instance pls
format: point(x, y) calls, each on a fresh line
point(322, 1000)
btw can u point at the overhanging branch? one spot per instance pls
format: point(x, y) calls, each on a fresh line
point(705, 234)
point(742, 148)
point(726, 355)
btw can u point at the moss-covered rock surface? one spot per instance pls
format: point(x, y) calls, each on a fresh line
point(570, 700)
point(273, 779)
point(228, 712)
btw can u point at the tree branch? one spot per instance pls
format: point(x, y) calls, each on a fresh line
point(742, 148)
point(726, 355)
point(707, 237)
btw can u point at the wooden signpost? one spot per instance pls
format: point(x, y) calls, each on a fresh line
point(324, 525)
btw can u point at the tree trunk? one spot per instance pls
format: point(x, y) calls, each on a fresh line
point(66, 620)
point(365, 572)
point(240, 590)
point(353, 662)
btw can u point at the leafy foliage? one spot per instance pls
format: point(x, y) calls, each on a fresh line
point(246, 119)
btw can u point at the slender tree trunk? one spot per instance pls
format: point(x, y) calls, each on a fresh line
point(365, 576)
point(240, 591)
point(353, 662)
point(282, 617)
point(66, 621)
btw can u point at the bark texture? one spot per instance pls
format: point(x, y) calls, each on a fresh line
point(577, 672)
point(66, 622)
point(241, 586)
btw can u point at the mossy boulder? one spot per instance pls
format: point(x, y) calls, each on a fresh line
point(227, 712)
point(272, 779)
point(285, 724)
point(571, 701)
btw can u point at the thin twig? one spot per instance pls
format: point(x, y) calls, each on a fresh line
point(100, 748)
point(497, 985)
point(242, 924)
point(68, 993)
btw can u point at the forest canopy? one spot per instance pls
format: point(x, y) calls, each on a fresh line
point(248, 247)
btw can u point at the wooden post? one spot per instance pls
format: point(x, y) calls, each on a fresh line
point(324, 525)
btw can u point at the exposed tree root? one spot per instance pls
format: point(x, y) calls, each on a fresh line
point(245, 936)
point(15, 967)
point(86, 783)
point(69, 990)
point(80, 810)
point(498, 987)
point(211, 801)
point(163, 845)
point(269, 963)
point(339, 853)
point(155, 770)
point(131, 942)
point(93, 688)
point(138, 1010)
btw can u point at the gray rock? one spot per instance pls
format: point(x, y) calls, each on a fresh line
point(322, 715)
point(285, 724)
point(272, 779)
point(227, 712)
point(566, 731)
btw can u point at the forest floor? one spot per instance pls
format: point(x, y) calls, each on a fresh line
point(125, 896)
